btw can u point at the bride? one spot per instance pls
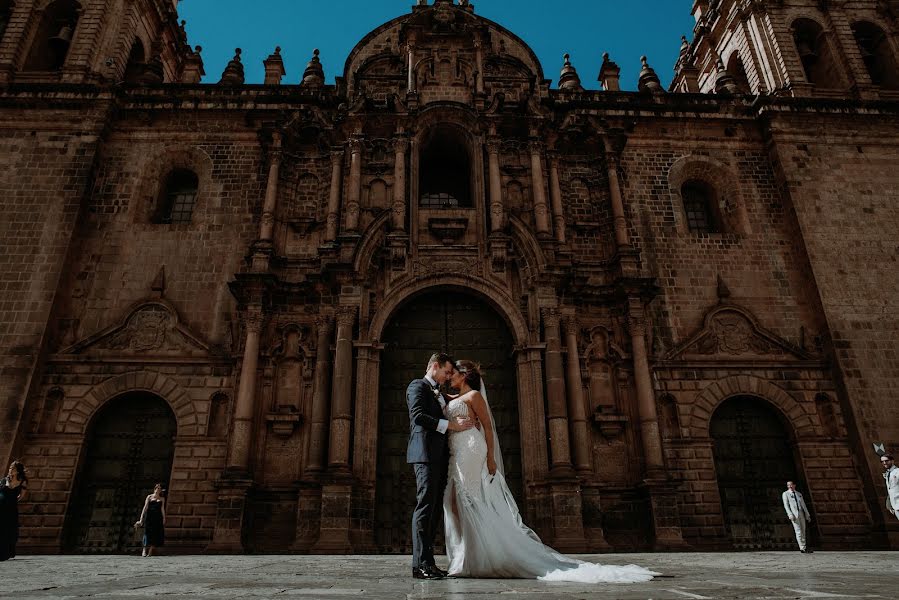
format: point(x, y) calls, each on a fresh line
point(485, 536)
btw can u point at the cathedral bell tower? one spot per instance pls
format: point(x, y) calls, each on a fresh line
point(804, 48)
point(93, 41)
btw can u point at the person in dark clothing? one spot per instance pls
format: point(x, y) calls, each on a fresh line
point(13, 489)
point(152, 519)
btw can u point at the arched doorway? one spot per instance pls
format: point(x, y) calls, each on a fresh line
point(753, 462)
point(466, 328)
point(129, 448)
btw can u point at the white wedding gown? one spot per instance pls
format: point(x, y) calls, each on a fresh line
point(488, 538)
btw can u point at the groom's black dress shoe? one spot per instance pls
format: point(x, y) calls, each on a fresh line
point(440, 571)
point(426, 572)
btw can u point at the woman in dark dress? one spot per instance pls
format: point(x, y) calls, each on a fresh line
point(152, 519)
point(13, 489)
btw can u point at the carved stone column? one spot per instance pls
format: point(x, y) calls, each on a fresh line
point(555, 389)
point(342, 392)
point(577, 418)
point(479, 65)
point(497, 210)
point(621, 235)
point(662, 495)
point(646, 405)
point(354, 193)
point(541, 213)
point(410, 54)
point(267, 227)
point(318, 431)
point(555, 192)
point(245, 407)
point(398, 215)
point(333, 218)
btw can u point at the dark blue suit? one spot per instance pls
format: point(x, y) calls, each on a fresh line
point(428, 453)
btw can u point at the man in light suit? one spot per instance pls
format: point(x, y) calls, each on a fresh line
point(891, 475)
point(798, 513)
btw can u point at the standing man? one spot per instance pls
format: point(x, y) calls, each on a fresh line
point(796, 509)
point(428, 453)
point(891, 475)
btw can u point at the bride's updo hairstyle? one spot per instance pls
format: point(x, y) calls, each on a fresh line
point(472, 373)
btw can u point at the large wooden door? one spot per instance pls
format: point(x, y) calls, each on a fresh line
point(464, 327)
point(753, 462)
point(130, 448)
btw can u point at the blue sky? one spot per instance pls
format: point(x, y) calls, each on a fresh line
point(626, 29)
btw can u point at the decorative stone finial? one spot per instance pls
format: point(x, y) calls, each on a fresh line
point(314, 75)
point(274, 68)
point(233, 73)
point(193, 67)
point(609, 74)
point(725, 84)
point(569, 79)
point(649, 81)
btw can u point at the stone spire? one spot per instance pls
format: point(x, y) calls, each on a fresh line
point(649, 81)
point(233, 73)
point(314, 75)
point(193, 70)
point(724, 81)
point(686, 75)
point(569, 79)
point(274, 68)
point(609, 74)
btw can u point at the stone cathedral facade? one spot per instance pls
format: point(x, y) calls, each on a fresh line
point(681, 298)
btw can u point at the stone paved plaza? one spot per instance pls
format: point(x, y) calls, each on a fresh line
point(774, 575)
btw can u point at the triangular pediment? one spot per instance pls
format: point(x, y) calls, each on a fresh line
point(150, 328)
point(731, 332)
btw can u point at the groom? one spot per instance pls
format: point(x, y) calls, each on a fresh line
point(428, 453)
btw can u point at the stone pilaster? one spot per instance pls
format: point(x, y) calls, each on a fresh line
point(541, 212)
point(577, 418)
point(318, 428)
point(560, 457)
point(333, 218)
point(245, 406)
point(555, 194)
point(342, 392)
point(354, 191)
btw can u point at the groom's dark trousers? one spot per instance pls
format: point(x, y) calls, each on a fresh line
point(428, 453)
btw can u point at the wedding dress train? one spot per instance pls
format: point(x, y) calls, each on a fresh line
point(485, 536)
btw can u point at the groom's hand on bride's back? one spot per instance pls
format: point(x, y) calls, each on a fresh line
point(460, 424)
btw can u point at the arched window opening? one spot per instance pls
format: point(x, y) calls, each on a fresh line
point(54, 36)
point(445, 168)
point(137, 62)
point(736, 70)
point(179, 196)
point(877, 55)
point(701, 207)
point(814, 52)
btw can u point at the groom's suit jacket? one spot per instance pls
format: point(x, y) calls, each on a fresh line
point(795, 508)
point(426, 444)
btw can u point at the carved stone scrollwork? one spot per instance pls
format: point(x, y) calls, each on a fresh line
point(551, 317)
point(253, 318)
point(346, 316)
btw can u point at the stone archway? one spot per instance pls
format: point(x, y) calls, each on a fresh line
point(753, 461)
point(129, 447)
point(466, 327)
